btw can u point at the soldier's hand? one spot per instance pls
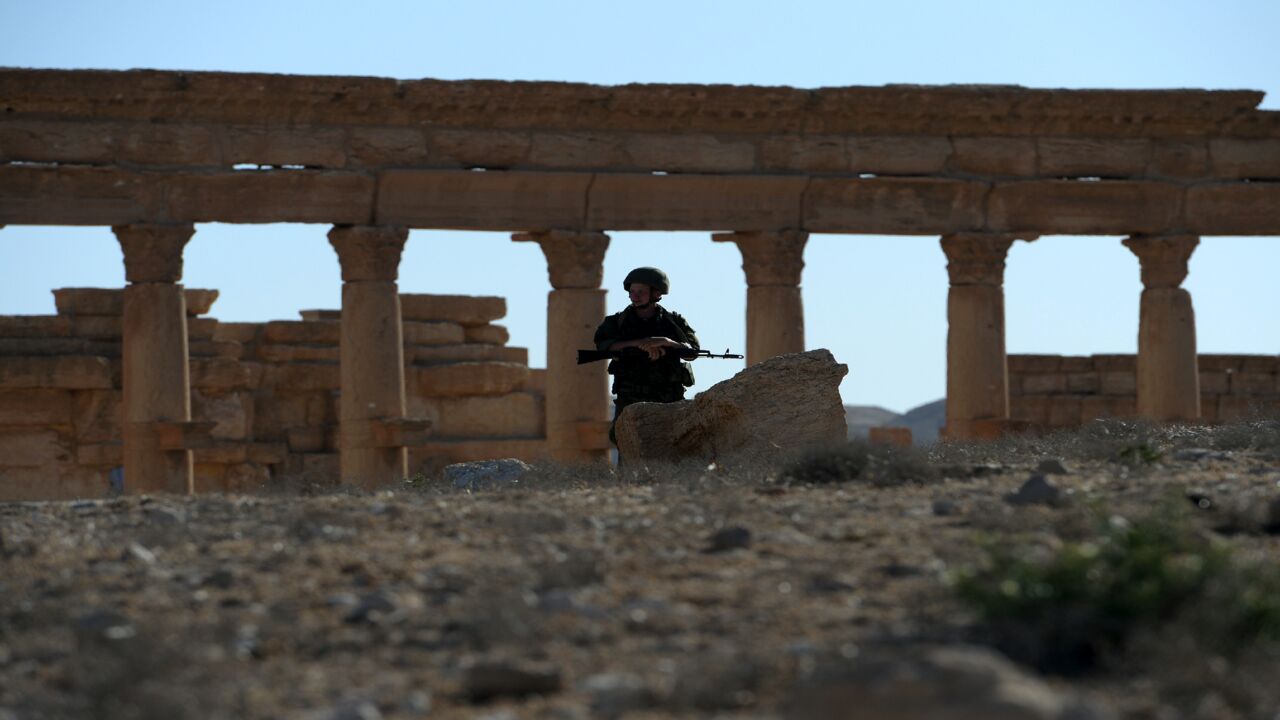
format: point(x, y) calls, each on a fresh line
point(656, 346)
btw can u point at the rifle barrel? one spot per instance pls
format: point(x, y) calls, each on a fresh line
point(590, 356)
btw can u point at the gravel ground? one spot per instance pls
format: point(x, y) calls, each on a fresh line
point(579, 593)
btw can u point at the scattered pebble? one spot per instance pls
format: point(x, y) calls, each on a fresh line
point(1037, 490)
point(943, 507)
point(489, 679)
point(1052, 466)
point(730, 538)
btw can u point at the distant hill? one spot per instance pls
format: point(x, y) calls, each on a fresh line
point(924, 421)
point(861, 418)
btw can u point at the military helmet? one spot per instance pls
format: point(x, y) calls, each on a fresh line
point(651, 276)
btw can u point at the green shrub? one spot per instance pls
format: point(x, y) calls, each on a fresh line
point(1072, 607)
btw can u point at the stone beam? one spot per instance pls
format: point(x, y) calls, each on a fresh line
point(472, 200)
point(57, 195)
point(694, 202)
point(1077, 207)
point(900, 206)
point(514, 200)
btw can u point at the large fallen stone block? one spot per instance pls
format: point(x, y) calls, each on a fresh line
point(68, 372)
point(782, 404)
point(432, 333)
point(466, 378)
point(518, 414)
point(443, 354)
point(28, 448)
point(218, 373)
point(293, 332)
point(303, 376)
point(230, 410)
point(110, 301)
point(489, 334)
point(35, 407)
point(58, 346)
point(236, 332)
point(461, 309)
point(282, 353)
point(97, 415)
point(34, 326)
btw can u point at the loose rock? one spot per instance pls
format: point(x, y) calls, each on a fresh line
point(486, 474)
point(614, 694)
point(955, 683)
point(1198, 454)
point(730, 538)
point(490, 679)
point(1037, 490)
point(944, 507)
point(1052, 466)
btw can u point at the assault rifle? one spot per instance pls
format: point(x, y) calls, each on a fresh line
point(590, 356)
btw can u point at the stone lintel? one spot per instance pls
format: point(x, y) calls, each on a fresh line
point(769, 258)
point(153, 252)
point(367, 252)
point(1163, 258)
point(978, 258)
point(575, 259)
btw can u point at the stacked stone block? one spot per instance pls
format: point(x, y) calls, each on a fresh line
point(271, 390)
point(1053, 391)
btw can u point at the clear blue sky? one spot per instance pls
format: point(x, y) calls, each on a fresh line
point(879, 303)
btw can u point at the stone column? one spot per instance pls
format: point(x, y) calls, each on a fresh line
point(772, 262)
point(577, 395)
point(157, 376)
point(1168, 374)
point(371, 353)
point(977, 367)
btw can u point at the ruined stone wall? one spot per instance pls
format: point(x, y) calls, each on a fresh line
point(1065, 391)
point(104, 148)
point(270, 388)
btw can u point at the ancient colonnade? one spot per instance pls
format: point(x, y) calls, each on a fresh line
point(152, 153)
point(375, 431)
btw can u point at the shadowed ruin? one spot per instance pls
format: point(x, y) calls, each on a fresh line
point(151, 153)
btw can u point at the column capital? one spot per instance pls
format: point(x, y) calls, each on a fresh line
point(1163, 258)
point(773, 257)
point(575, 259)
point(978, 258)
point(368, 252)
point(153, 252)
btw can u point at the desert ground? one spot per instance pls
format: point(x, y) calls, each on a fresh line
point(1117, 571)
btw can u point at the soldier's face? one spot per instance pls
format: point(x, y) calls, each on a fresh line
point(641, 294)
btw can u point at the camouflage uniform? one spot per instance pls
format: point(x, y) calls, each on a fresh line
point(636, 378)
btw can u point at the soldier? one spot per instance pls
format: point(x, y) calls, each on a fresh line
point(653, 374)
